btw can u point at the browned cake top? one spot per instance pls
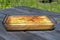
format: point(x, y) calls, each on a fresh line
point(28, 20)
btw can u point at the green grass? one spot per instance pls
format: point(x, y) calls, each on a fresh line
point(54, 6)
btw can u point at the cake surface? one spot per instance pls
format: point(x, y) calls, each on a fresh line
point(28, 22)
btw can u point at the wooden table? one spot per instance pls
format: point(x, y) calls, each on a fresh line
point(29, 35)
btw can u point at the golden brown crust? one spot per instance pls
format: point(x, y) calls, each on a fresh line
point(28, 22)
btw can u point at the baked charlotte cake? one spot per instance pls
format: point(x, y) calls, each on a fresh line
point(28, 23)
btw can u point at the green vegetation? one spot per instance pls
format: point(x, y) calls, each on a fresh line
point(54, 6)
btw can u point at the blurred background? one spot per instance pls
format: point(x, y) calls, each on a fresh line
point(50, 5)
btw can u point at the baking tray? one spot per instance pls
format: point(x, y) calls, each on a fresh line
point(30, 27)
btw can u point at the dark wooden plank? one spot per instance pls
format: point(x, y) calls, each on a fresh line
point(26, 36)
point(1, 38)
point(57, 18)
point(43, 34)
point(49, 35)
point(57, 28)
point(8, 36)
point(11, 12)
point(37, 10)
point(14, 11)
point(2, 16)
point(2, 28)
point(55, 34)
